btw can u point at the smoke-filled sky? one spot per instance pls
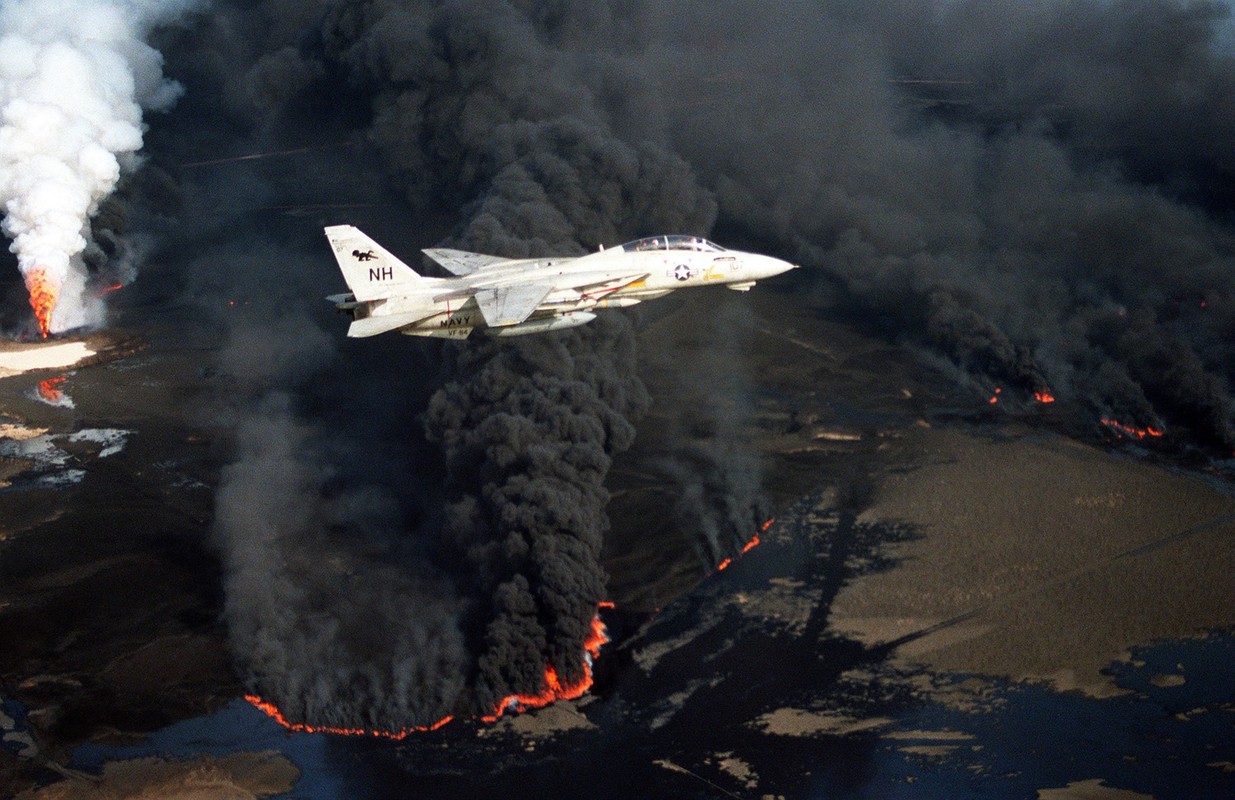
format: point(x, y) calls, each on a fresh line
point(1036, 195)
point(1038, 192)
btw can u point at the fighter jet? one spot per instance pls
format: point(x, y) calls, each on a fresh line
point(511, 297)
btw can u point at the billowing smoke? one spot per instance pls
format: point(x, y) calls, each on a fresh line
point(472, 113)
point(1038, 194)
point(336, 607)
point(74, 78)
point(712, 467)
point(529, 432)
point(328, 609)
point(469, 100)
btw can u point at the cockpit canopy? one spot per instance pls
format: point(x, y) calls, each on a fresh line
point(673, 242)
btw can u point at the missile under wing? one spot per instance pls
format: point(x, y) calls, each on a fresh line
point(511, 297)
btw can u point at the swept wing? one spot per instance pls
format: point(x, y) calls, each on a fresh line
point(461, 262)
point(510, 305)
point(508, 302)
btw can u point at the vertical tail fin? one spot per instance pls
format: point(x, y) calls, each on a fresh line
point(370, 271)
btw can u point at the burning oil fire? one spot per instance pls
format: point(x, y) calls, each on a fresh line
point(49, 389)
point(746, 548)
point(1131, 431)
point(274, 713)
point(552, 690)
point(1041, 395)
point(42, 297)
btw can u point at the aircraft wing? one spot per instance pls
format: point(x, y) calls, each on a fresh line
point(461, 262)
point(510, 305)
point(582, 281)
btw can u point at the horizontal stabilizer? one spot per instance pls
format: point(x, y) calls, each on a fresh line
point(344, 302)
point(461, 262)
point(510, 305)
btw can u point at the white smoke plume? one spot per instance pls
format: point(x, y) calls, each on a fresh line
point(74, 78)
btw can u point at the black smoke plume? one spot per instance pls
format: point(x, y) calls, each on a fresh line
point(529, 432)
point(711, 465)
point(471, 104)
point(472, 116)
point(1039, 193)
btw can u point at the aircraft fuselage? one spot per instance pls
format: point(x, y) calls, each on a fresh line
point(516, 296)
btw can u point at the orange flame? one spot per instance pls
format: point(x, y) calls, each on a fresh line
point(995, 397)
point(42, 297)
point(553, 688)
point(553, 691)
point(1132, 431)
point(49, 389)
point(751, 545)
point(1044, 396)
point(272, 711)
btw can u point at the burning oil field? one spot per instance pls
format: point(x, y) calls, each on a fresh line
point(946, 512)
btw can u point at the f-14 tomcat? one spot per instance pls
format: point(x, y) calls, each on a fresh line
point(511, 297)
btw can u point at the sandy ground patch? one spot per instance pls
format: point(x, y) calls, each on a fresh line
point(799, 722)
point(541, 723)
point(240, 776)
point(1089, 790)
point(16, 359)
point(1041, 559)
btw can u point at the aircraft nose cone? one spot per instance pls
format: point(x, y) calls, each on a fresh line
point(774, 266)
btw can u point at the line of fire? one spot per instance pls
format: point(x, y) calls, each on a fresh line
point(552, 689)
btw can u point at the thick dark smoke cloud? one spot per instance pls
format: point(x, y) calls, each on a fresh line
point(470, 105)
point(712, 464)
point(1038, 194)
point(526, 429)
point(529, 432)
point(330, 614)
